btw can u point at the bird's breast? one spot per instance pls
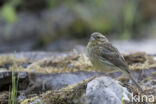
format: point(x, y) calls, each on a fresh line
point(103, 65)
point(98, 62)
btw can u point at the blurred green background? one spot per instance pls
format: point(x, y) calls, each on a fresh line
point(27, 25)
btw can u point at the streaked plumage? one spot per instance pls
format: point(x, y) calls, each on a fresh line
point(104, 56)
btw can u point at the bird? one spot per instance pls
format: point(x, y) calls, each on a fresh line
point(104, 56)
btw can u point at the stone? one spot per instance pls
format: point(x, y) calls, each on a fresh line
point(104, 90)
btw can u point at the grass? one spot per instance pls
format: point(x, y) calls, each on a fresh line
point(122, 97)
point(14, 87)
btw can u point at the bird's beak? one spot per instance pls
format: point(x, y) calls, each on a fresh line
point(92, 38)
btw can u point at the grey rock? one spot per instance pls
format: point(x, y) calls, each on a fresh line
point(104, 90)
point(60, 80)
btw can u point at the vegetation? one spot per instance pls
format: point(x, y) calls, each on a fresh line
point(14, 87)
point(106, 16)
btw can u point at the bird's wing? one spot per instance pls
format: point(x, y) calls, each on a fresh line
point(110, 53)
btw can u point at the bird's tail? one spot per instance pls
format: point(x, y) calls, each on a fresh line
point(137, 85)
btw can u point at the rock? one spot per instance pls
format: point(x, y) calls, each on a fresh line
point(56, 81)
point(72, 94)
point(40, 72)
point(104, 90)
point(6, 79)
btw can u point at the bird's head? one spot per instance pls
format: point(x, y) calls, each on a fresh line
point(97, 38)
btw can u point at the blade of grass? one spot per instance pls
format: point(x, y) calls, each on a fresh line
point(14, 86)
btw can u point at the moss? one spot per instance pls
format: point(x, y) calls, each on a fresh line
point(70, 63)
point(140, 60)
point(69, 95)
point(7, 59)
point(80, 62)
point(138, 57)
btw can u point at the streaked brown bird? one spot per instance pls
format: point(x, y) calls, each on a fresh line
point(104, 56)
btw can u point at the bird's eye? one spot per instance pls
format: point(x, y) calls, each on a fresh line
point(97, 37)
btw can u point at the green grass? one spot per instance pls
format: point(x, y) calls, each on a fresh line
point(122, 97)
point(14, 87)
